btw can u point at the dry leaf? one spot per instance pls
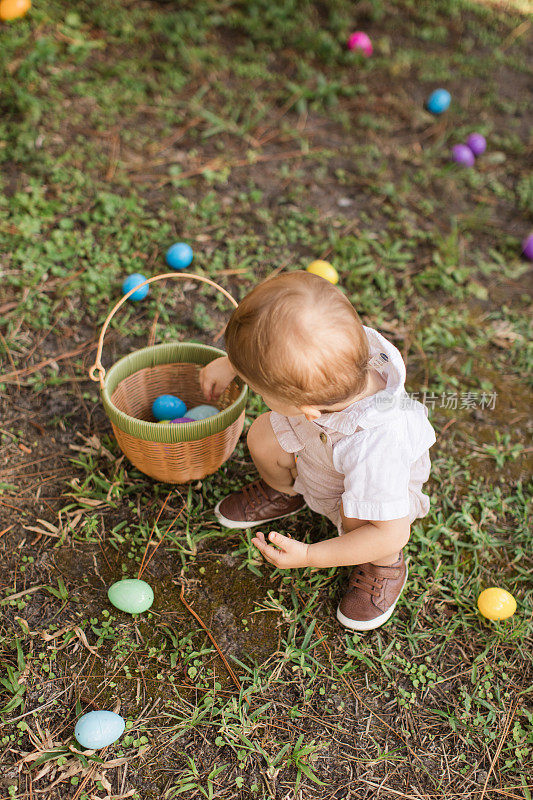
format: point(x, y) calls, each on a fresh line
point(49, 526)
point(503, 334)
point(34, 529)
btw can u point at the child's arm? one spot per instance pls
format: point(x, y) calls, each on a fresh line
point(370, 542)
point(215, 376)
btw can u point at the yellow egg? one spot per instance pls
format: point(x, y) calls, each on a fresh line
point(496, 603)
point(11, 9)
point(164, 422)
point(324, 270)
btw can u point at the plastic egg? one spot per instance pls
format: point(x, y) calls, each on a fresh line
point(360, 41)
point(179, 255)
point(462, 154)
point(496, 603)
point(477, 143)
point(131, 595)
point(167, 407)
point(202, 412)
point(98, 729)
point(324, 270)
point(131, 282)
point(439, 101)
point(527, 247)
point(179, 420)
point(12, 9)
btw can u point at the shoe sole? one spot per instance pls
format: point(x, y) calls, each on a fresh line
point(370, 624)
point(241, 524)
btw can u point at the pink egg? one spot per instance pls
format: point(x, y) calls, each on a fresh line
point(360, 41)
point(183, 419)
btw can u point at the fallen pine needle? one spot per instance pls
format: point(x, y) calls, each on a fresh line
point(178, 515)
point(21, 594)
point(206, 629)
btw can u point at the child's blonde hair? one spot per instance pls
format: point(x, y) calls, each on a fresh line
point(298, 338)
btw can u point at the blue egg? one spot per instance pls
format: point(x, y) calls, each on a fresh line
point(179, 255)
point(131, 282)
point(202, 412)
point(98, 729)
point(439, 101)
point(167, 406)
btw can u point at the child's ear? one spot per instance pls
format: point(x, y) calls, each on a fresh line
point(310, 412)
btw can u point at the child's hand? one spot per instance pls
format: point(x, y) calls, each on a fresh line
point(214, 378)
point(288, 553)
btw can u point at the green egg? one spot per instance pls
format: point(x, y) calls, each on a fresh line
point(131, 595)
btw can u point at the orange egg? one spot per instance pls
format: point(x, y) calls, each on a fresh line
point(11, 9)
point(496, 603)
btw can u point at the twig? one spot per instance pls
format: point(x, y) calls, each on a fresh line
point(16, 469)
point(10, 357)
point(9, 505)
point(467, 793)
point(261, 132)
point(21, 594)
point(357, 695)
point(113, 157)
point(351, 225)
point(154, 551)
point(90, 773)
point(151, 336)
point(510, 716)
point(167, 498)
point(450, 422)
point(218, 164)
point(518, 31)
point(159, 147)
point(28, 370)
point(206, 629)
point(425, 359)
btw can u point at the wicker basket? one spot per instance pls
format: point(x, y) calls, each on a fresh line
point(169, 453)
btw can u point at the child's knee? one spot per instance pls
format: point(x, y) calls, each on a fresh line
point(262, 441)
point(260, 436)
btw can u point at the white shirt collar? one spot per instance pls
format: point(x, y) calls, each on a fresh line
point(377, 408)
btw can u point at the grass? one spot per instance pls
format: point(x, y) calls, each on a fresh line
point(251, 132)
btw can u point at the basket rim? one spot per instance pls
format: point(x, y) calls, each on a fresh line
point(168, 353)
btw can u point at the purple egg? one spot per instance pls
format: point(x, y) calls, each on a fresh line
point(462, 154)
point(527, 247)
point(183, 419)
point(477, 143)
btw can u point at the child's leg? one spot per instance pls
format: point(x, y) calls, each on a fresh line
point(351, 524)
point(275, 465)
point(271, 497)
point(373, 589)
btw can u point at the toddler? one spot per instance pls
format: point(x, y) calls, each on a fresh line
point(342, 437)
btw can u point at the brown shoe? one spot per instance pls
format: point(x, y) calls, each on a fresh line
point(256, 504)
point(372, 595)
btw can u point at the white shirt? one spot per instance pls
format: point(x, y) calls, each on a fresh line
point(375, 458)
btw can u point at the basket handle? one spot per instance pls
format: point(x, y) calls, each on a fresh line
point(97, 371)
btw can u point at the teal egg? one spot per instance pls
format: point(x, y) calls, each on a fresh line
point(98, 729)
point(168, 406)
point(439, 101)
point(131, 282)
point(131, 595)
point(202, 412)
